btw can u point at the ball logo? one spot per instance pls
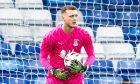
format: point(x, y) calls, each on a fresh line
point(75, 42)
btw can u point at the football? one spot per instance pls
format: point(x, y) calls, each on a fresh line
point(72, 56)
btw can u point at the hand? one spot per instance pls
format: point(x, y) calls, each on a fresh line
point(77, 67)
point(60, 73)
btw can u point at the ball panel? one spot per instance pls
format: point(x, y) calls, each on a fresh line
point(72, 56)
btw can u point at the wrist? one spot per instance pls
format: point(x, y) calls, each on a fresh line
point(85, 68)
point(52, 70)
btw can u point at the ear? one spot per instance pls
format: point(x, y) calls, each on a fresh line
point(63, 16)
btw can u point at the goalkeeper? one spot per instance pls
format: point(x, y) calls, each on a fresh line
point(66, 37)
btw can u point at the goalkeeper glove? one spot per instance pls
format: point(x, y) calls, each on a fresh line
point(59, 73)
point(77, 67)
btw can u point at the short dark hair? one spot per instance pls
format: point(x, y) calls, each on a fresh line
point(68, 7)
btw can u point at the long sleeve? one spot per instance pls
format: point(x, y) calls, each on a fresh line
point(89, 50)
point(44, 52)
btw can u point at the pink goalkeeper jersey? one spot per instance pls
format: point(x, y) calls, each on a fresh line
point(57, 41)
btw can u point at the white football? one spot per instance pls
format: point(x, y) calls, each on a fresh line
point(72, 56)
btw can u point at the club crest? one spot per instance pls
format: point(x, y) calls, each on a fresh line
point(75, 42)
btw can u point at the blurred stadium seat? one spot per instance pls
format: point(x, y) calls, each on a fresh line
point(109, 35)
point(10, 67)
point(121, 4)
point(109, 80)
point(90, 81)
point(102, 67)
point(90, 31)
point(35, 79)
point(92, 4)
point(6, 52)
point(128, 18)
point(32, 18)
point(14, 79)
point(119, 51)
point(40, 32)
point(15, 17)
point(6, 4)
point(40, 80)
point(98, 50)
point(29, 4)
point(101, 17)
point(35, 72)
point(134, 33)
point(128, 68)
point(57, 4)
point(33, 67)
point(135, 79)
point(138, 52)
point(28, 50)
point(131, 35)
point(16, 33)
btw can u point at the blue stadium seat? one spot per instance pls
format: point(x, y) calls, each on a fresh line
point(87, 16)
point(126, 31)
point(33, 67)
point(127, 68)
point(134, 33)
point(12, 79)
point(22, 79)
point(89, 81)
point(101, 67)
point(92, 4)
point(136, 2)
point(135, 79)
point(6, 51)
point(121, 4)
point(59, 3)
point(36, 79)
point(101, 17)
point(109, 80)
point(40, 80)
point(131, 35)
point(10, 67)
point(128, 18)
point(27, 50)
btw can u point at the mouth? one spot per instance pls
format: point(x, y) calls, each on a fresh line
point(73, 22)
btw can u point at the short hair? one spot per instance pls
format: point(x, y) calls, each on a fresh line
point(68, 7)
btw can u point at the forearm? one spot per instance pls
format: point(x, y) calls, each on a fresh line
point(46, 63)
point(90, 60)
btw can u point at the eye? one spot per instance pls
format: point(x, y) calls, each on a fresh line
point(72, 16)
point(76, 15)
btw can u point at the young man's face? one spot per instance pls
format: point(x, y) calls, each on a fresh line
point(70, 18)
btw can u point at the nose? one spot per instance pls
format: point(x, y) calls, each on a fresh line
point(75, 17)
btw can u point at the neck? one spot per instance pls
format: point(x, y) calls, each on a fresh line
point(67, 29)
